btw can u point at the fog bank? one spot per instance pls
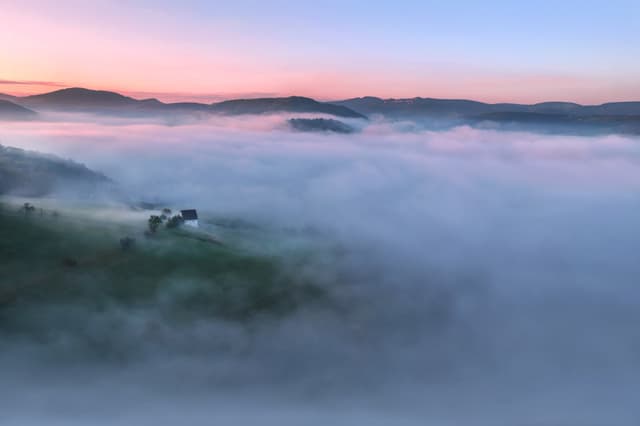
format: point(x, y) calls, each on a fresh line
point(477, 277)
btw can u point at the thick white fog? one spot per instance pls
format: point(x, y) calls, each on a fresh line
point(483, 278)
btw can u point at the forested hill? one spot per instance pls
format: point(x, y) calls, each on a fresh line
point(29, 173)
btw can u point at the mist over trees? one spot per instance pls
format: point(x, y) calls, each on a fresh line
point(414, 268)
point(31, 173)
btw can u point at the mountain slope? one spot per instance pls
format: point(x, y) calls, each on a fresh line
point(322, 125)
point(560, 123)
point(78, 97)
point(6, 97)
point(412, 108)
point(30, 173)
point(295, 104)
point(11, 111)
point(425, 107)
point(98, 101)
point(429, 112)
point(555, 117)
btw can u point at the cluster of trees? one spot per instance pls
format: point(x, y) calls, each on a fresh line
point(170, 221)
point(28, 209)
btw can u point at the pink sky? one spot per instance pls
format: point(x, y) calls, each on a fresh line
point(174, 56)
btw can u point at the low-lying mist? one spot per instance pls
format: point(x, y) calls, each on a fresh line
point(476, 277)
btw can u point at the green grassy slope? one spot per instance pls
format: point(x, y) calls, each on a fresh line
point(60, 260)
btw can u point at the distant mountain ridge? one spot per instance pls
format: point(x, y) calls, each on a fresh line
point(462, 107)
point(323, 125)
point(553, 117)
point(81, 98)
point(78, 97)
point(296, 104)
point(564, 117)
point(86, 100)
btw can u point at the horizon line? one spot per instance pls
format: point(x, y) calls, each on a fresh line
point(179, 97)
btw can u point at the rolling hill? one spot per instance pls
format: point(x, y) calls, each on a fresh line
point(93, 101)
point(62, 259)
point(104, 102)
point(28, 173)
point(562, 117)
point(420, 107)
point(11, 111)
point(5, 97)
point(295, 104)
point(322, 125)
point(557, 117)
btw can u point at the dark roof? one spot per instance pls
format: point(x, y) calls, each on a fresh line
point(189, 214)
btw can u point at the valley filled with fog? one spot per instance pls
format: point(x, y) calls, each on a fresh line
point(472, 276)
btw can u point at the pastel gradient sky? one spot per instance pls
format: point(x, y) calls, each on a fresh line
point(522, 51)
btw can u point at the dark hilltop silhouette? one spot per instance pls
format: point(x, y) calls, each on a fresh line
point(98, 101)
point(322, 125)
point(554, 117)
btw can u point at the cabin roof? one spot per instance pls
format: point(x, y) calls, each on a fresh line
point(190, 214)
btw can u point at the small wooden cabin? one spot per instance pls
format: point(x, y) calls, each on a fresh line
point(190, 217)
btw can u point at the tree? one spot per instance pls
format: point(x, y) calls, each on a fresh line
point(28, 208)
point(166, 214)
point(154, 222)
point(127, 243)
point(174, 221)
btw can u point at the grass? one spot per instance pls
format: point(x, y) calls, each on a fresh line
point(75, 260)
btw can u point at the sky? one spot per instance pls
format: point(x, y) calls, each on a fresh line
point(494, 51)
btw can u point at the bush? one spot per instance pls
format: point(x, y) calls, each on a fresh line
point(175, 221)
point(154, 222)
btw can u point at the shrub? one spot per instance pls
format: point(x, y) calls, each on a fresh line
point(175, 221)
point(154, 222)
